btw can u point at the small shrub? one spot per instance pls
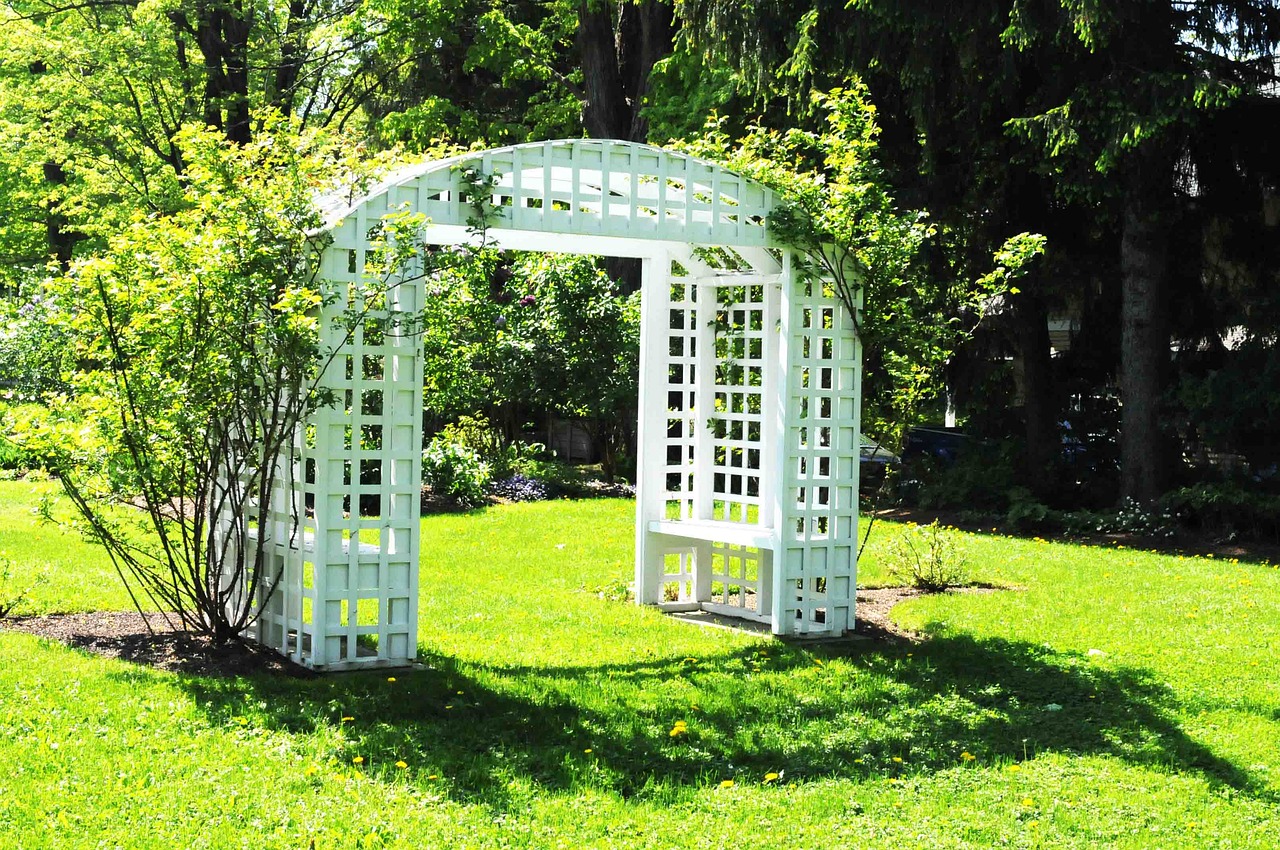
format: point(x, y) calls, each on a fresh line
point(477, 434)
point(1025, 511)
point(927, 557)
point(1226, 508)
point(456, 471)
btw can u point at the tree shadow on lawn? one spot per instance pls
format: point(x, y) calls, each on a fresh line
point(848, 710)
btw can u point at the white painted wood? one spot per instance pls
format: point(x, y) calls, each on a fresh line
point(739, 534)
point(747, 507)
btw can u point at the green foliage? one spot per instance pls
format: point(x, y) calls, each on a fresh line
point(927, 557)
point(549, 670)
point(509, 336)
point(502, 458)
point(195, 351)
point(505, 76)
point(21, 419)
point(32, 348)
point(837, 211)
point(455, 470)
point(1225, 508)
point(1235, 407)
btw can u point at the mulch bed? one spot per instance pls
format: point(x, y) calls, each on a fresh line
point(154, 641)
point(874, 605)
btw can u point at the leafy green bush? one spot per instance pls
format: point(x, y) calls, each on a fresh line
point(980, 479)
point(455, 470)
point(927, 557)
point(1226, 508)
point(475, 433)
point(32, 348)
point(19, 425)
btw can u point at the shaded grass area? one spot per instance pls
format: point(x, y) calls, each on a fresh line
point(545, 716)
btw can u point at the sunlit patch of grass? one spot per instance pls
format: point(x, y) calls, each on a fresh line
point(1084, 709)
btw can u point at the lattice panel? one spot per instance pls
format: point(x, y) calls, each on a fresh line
point(349, 594)
point(737, 423)
point(682, 364)
point(820, 441)
point(588, 187)
point(735, 576)
point(679, 574)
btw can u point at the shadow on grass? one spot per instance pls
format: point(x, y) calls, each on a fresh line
point(848, 711)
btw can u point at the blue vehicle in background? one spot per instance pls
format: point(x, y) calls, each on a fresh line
point(943, 445)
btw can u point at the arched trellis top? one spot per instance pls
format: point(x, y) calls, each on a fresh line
point(611, 196)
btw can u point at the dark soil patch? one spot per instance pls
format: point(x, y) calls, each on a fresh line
point(875, 603)
point(156, 641)
point(125, 635)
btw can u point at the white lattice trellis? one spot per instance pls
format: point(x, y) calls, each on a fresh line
point(749, 396)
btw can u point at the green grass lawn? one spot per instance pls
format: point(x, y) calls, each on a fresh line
point(1116, 699)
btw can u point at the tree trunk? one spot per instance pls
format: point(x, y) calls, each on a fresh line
point(222, 33)
point(1144, 339)
point(61, 238)
point(1038, 403)
point(619, 46)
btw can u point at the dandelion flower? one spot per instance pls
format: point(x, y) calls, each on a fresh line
point(967, 756)
point(358, 760)
point(897, 760)
point(728, 783)
point(1027, 801)
point(311, 770)
point(1013, 768)
point(433, 777)
point(587, 750)
point(402, 764)
point(347, 719)
point(770, 777)
point(391, 678)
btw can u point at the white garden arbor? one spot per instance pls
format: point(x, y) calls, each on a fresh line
point(749, 400)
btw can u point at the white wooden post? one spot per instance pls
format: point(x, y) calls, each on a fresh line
point(651, 428)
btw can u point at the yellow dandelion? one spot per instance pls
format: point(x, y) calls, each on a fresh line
point(433, 777)
point(728, 783)
point(587, 750)
point(897, 760)
point(347, 719)
point(1013, 768)
point(358, 760)
point(1033, 823)
point(402, 764)
point(311, 770)
point(967, 756)
point(770, 777)
point(391, 678)
point(1027, 801)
